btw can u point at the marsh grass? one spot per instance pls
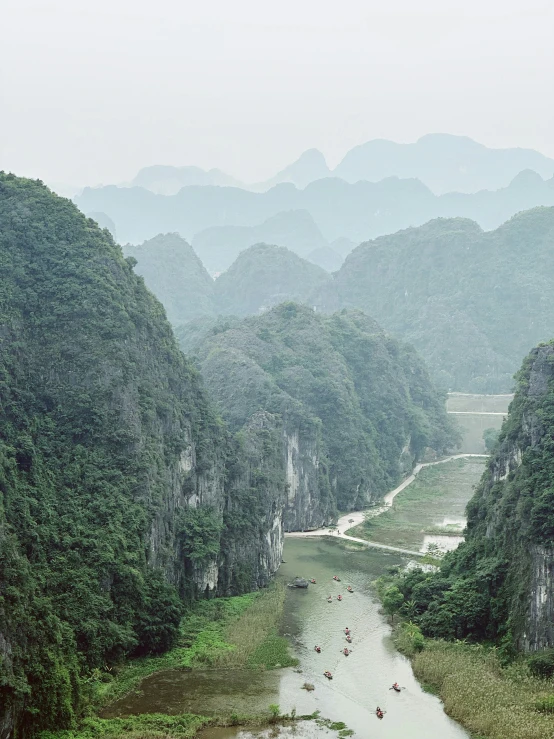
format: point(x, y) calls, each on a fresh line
point(492, 701)
point(253, 637)
point(146, 726)
point(221, 633)
point(163, 726)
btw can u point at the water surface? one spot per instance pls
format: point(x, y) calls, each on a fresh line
point(360, 681)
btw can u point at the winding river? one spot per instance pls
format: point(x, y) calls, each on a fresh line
point(360, 681)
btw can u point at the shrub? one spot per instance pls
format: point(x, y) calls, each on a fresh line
point(545, 705)
point(542, 663)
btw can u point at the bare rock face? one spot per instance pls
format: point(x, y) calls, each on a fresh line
point(306, 506)
point(299, 582)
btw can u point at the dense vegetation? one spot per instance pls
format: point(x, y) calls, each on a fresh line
point(495, 586)
point(472, 302)
point(370, 395)
point(175, 275)
point(264, 276)
point(106, 435)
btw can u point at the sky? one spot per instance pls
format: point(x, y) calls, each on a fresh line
point(90, 92)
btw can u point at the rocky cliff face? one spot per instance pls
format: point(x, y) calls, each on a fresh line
point(511, 518)
point(309, 502)
point(357, 408)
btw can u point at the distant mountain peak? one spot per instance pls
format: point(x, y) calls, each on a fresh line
point(309, 166)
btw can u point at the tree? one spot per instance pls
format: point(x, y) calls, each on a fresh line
point(490, 437)
point(392, 601)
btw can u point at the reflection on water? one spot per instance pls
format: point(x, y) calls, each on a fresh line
point(300, 730)
point(360, 681)
point(444, 543)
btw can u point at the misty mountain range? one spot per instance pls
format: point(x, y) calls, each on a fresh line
point(443, 162)
point(339, 210)
point(472, 302)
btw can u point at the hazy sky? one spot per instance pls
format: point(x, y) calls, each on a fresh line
point(90, 92)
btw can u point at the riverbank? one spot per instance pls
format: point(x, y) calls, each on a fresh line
point(490, 700)
point(239, 633)
point(350, 526)
point(224, 632)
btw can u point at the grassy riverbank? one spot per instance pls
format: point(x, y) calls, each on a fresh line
point(240, 632)
point(437, 493)
point(490, 700)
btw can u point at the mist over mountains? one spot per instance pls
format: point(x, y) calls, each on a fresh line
point(357, 212)
point(472, 302)
point(443, 162)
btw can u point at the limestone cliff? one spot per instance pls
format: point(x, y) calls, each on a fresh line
point(504, 573)
point(357, 408)
point(120, 487)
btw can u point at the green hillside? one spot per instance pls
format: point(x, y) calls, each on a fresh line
point(369, 394)
point(122, 496)
point(472, 302)
point(263, 276)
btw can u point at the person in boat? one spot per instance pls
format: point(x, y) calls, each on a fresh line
point(347, 630)
point(317, 649)
point(337, 579)
point(312, 581)
point(379, 712)
point(346, 651)
point(328, 675)
point(329, 599)
point(339, 597)
point(349, 639)
point(396, 687)
point(349, 588)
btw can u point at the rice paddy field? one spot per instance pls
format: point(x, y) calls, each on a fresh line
point(433, 505)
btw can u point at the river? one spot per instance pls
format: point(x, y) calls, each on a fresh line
point(360, 682)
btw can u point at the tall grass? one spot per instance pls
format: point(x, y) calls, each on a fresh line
point(490, 700)
point(222, 633)
point(253, 636)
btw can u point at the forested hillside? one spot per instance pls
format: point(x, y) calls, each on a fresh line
point(498, 585)
point(472, 302)
point(264, 276)
point(176, 276)
point(360, 402)
point(122, 495)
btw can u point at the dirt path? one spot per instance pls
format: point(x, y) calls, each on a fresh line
point(349, 520)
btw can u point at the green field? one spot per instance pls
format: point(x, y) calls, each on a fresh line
point(438, 492)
